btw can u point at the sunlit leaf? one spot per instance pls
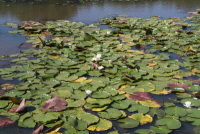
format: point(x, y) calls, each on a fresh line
point(143, 119)
point(102, 125)
point(150, 103)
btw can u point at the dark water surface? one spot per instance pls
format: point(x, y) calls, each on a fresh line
point(87, 12)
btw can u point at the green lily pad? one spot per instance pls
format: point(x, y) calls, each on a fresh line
point(128, 123)
point(170, 122)
point(110, 113)
point(176, 111)
point(3, 104)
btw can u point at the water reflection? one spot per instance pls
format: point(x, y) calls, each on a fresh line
point(92, 11)
point(87, 12)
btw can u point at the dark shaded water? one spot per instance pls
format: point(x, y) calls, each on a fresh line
point(88, 12)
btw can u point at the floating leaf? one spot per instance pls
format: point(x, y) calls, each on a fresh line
point(55, 104)
point(3, 104)
point(110, 113)
point(76, 103)
point(170, 122)
point(176, 111)
point(150, 103)
point(140, 96)
point(138, 107)
point(156, 111)
point(88, 118)
point(40, 117)
point(143, 119)
point(7, 86)
point(37, 131)
point(128, 123)
point(181, 85)
point(5, 122)
point(102, 125)
point(77, 123)
point(20, 108)
point(161, 129)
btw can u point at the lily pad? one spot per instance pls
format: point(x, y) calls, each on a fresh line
point(171, 123)
point(102, 125)
point(128, 123)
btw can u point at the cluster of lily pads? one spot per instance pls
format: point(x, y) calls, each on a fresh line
point(83, 78)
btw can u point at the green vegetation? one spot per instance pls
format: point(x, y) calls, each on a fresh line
point(81, 78)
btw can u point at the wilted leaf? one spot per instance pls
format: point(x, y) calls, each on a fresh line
point(37, 131)
point(140, 96)
point(182, 85)
point(20, 108)
point(143, 119)
point(7, 86)
point(4, 122)
point(55, 104)
point(150, 103)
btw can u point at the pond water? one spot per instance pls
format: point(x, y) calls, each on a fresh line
point(86, 12)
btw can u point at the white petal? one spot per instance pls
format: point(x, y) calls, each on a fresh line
point(100, 67)
point(88, 92)
point(94, 59)
point(98, 56)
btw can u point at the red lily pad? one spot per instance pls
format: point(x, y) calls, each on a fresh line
point(37, 131)
point(182, 85)
point(55, 104)
point(29, 46)
point(20, 108)
point(5, 122)
point(27, 24)
point(2, 92)
point(123, 21)
point(140, 96)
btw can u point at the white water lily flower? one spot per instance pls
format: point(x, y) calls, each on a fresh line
point(94, 59)
point(188, 104)
point(98, 56)
point(108, 32)
point(100, 67)
point(88, 92)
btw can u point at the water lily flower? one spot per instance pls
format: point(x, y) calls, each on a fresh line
point(94, 59)
point(108, 32)
point(188, 104)
point(100, 67)
point(88, 92)
point(98, 56)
